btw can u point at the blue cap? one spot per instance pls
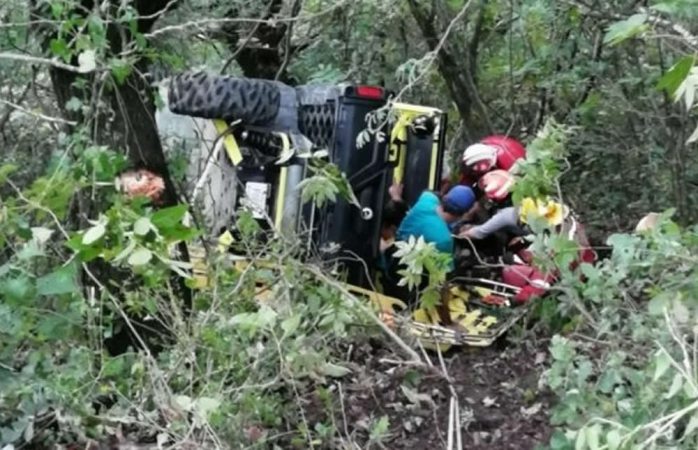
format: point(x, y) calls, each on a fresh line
point(459, 200)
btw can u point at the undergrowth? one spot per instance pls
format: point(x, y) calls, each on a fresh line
point(627, 378)
point(231, 371)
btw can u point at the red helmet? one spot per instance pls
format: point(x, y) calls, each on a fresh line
point(509, 150)
point(496, 184)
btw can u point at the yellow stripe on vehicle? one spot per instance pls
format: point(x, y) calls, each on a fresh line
point(229, 142)
point(281, 191)
point(279, 207)
point(435, 155)
point(398, 136)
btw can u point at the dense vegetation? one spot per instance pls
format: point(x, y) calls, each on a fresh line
point(101, 338)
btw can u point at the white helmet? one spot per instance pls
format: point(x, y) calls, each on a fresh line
point(482, 155)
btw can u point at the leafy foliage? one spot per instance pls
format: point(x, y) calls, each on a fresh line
point(423, 261)
point(632, 382)
point(598, 84)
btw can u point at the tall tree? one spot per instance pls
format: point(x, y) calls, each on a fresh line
point(106, 68)
point(457, 62)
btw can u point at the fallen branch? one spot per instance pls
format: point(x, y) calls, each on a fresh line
point(454, 412)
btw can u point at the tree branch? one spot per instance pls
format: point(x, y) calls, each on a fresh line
point(295, 9)
point(43, 61)
point(38, 115)
point(226, 20)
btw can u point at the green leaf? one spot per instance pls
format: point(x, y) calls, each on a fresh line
point(74, 104)
point(663, 362)
point(659, 302)
point(113, 367)
point(679, 8)
point(692, 425)
point(94, 234)
point(613, 440)
point(671, 80)
point(380, 428)
point(291, 324)
point(60, 48)
point(57, 9)
point(593, 433)
point(581, 442)
point(690, 390)
point(29, 251)
point(335, 371)
point(16, 289)
point(6, 170)
point(261, 319)
point(125, 252)
point(204, 406)
point(41, 234)
point(561, 349)
point(266, 316)
point(559, 441)
point(140, 257)
point(626, 29)
point(142, 226)
point(120, 70)
point(676, 386)
point(184, 402)
point(62, 281)
point(169, 217)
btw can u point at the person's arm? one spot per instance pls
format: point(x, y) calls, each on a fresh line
point(396, 201)
point(394, 212)
point(506, 217)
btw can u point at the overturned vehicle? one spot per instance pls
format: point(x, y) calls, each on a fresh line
point(272, 136)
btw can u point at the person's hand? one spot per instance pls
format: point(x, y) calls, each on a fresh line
point(395, 191)
point(385, 244)
point(464, 231)
point(463, 228)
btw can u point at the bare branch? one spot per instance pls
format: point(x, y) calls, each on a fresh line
point(431, 56)
point(44, 61)
point(297, 5)
point(246, 41)
point(221, 21)
point(38, 115)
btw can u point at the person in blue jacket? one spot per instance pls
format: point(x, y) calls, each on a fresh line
point(429, 218)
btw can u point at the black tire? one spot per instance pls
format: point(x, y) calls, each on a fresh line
point(210, 96)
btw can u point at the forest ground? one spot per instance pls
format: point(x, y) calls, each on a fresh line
point(501, 404)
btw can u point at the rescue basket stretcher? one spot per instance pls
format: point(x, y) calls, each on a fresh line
point(479, 323)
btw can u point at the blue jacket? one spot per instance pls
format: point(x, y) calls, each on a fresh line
point(424, 220)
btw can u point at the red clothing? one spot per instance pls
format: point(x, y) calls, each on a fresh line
point(509, 150)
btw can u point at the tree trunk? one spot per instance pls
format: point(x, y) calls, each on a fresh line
point(457, 72)
point(132, 129)
point(263, 51)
